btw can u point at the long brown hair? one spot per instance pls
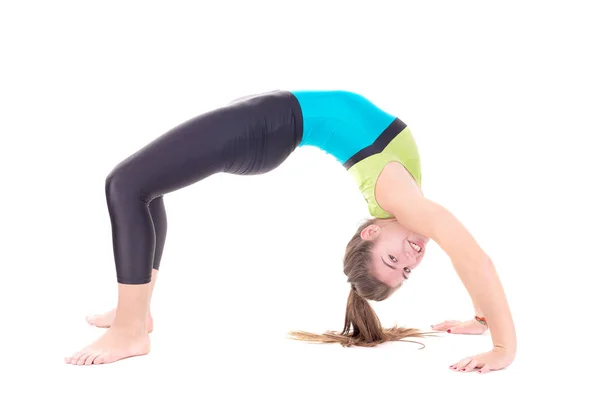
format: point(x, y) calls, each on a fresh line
point(362, 327)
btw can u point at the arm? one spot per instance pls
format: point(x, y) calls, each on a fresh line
point(478, 311)
point(477, 272)
point(398, 194)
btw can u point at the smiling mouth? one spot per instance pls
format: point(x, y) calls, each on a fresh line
point(415, 246)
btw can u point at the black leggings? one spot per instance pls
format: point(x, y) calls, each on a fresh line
point(250, 136)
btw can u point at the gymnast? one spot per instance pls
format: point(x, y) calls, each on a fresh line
point(255, 135)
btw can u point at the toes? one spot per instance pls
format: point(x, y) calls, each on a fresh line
point(74, 358)
point(85, 357)
point(90, 359)
point(99, 360)
point(82, 359)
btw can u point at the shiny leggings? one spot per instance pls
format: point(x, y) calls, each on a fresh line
point(251, 136)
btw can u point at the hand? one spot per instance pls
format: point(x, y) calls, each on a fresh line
point(485, 362)
point(472, 327)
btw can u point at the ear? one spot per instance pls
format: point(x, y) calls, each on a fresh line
point(370, 232)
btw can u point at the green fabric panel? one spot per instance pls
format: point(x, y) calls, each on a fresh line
point(402, 149)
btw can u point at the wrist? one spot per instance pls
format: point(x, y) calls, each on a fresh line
point(509, 352)
point(481, 319)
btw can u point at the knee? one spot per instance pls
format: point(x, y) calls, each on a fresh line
point(119, 184)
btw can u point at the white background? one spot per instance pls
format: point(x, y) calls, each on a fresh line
point(502, 99)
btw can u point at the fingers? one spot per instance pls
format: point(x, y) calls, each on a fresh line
point(470, 366)
point(444, 326)
point(459, 366)
point(462, 328)
point(484, 369)
point(468, 327)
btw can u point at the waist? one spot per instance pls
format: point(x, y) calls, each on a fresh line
point(341, 123)
point(380, 143)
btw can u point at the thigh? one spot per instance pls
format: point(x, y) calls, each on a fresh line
point(245, 137)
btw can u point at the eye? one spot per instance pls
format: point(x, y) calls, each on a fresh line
point(407, 270)
point(394, 259)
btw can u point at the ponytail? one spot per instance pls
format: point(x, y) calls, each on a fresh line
point(362, 327)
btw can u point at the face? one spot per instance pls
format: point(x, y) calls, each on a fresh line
point(396, 252)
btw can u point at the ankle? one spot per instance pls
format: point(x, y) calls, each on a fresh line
point(130, 322)
point(130, 328)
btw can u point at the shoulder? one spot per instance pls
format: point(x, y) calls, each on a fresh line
point(396, 185)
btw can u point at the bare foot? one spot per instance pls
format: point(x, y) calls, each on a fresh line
point(105, 320)
point(116, 344)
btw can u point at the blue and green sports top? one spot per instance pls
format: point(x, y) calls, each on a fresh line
point(360, 135)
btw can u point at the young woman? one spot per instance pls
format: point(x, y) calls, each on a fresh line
point(256, 134)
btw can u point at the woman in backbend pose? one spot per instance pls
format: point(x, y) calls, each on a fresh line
point(256, 134)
